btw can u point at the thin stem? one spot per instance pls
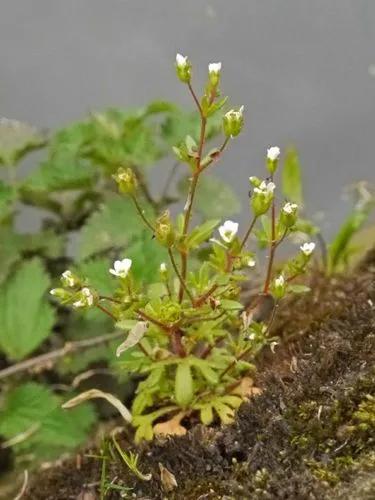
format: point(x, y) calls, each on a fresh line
point(145, 316)
point(195, 98)
point(172, 173)
point(106, 311)
point(272, 246)
point(218, 154)
point(45, 360)
point(110, 299)
point(142, 215)
point(248, 232)
point(144, 188)
point(179, 275)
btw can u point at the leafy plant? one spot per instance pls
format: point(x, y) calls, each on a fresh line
point(84, 223)
point(189, 335)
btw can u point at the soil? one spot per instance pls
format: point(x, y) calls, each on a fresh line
point(309, 435)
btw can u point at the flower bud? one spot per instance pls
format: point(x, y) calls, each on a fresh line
point(85, 298)
point(255, 181)
point(183, 68)
point(273, 155)
point(214, 70)
point(61, 294)
point(278, 287)
point(288, 215)
point(233, 122)
point(262, 197)
point(69, 280)
point(164, 232)
point(126, 180)
point(163, 270)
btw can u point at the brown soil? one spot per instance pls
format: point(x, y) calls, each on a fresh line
point(309, 435)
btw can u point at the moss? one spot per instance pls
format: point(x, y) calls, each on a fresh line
point(310, 434)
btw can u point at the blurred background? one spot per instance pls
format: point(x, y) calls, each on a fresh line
point(304, 70)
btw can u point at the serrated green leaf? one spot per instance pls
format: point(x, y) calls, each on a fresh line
point(26, 318)
point(184, 386)
point(292, 177)
point(47, 243)
point(7, 197)
point(114, 225)
point(33, 407)
point(9, 250)
point(214, 198)
point(146, 254)
point(16, 138)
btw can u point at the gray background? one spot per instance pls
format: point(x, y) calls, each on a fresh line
point(304, 69)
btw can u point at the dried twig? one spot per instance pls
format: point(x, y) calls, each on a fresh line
point(44, 361)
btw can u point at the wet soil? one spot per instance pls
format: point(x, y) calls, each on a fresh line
point(309, 435)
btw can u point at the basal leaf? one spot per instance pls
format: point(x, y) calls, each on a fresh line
point(16, 138)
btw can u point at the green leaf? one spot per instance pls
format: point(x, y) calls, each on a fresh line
point(339, 246)
point(34, 408)
point(114, 225)
point(96, 271)
point(16, 139)
point(214, 198)
point(201, 233)
point(9, 250)
point(26, 318)
point(231, 305)
point(47, 243)
point(146, 254)
point(292, 177)
point(184, 387)
point(207, 414)
point(7, 197)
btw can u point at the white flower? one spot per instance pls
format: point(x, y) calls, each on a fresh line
point(265, 188)
point(250, 262)
point(290, 208)
point(234, 115)
point(280, 281)
point(54, 291)
point(163, 267)
point(121, 268)
point(181, 60)
point(86, 298)
point(273, 153)
point(214, 68)
point(307, 248)
point(68, 279)
point(228, 230)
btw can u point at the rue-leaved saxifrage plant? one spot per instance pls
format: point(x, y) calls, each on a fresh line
point(189, 335)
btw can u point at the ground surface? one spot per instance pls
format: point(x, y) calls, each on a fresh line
point(309, 435)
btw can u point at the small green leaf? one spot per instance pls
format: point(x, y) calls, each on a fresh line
point(26, 318)
point(292, 177)
point(184, 386)
point(206, 414)
point(231, 305)
point(201, 233)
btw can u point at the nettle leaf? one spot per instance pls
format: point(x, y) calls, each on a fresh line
point(184, 385)
point(16, 139)
point(292, 177)
point(147, 255)
point(179, 124)
point(63, 171)
point(9, 250)
point(26, 318)
point(47, 243)
point(114, 225)
point(34, 408)
point(214, 198)
point(96, 271)
point(7, 197)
